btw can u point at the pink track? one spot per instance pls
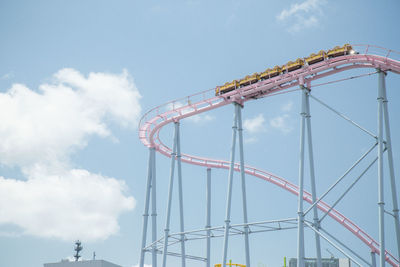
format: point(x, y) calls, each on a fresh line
point(152, 122)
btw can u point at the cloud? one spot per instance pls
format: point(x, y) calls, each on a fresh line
point(301, 15)
point(258, 124)
point(255, 125)
point(287, 107)
point(68, 205)
point(47, 125)
point(281, 123)
point(40, 130)
point(199, 118)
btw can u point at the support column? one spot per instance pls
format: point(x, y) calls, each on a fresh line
point(373, 259)
point(229, 191)
point(208, 217)
point(300, 213)
point(381, 203)
point(146, 207)
point(171, 185)
point(182, 226)
point(243, 178)
point(312, 177)
point(154, 211)
point(390, 161)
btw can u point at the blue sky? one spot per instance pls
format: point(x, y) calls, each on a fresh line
point(77, 75)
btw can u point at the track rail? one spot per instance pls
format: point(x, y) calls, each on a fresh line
point(153, 121)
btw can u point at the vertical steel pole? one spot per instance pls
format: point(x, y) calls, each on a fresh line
point(208, 216)
point(373, 259)
point(381, 203)
point(390, 161)
point(154, 210)
point(182, 226)
point(229, 192)
point(300, 213)
point(243, 178)
point(312, 177)
point(146, 208)
point(171, 185)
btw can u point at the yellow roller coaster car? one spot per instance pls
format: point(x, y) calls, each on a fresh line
point(230, 264)
point(249, 79)
point(315, 58)
point(291, 66)
point(265, 74)
point(227, 87)
point(275, 71)
point(339, 51)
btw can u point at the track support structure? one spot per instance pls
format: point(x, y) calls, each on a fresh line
point(150, 189)
point(305, 123)
point(208, 218)
point(395, 204)
point(237, 127)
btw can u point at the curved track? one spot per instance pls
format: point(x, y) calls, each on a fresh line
point(152, 122)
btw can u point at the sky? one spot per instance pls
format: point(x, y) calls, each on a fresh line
point(76, 77)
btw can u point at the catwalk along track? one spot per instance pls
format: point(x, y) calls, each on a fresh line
point(367, 56)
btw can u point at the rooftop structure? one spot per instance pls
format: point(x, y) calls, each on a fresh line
point(89, 263)
point(327, 262)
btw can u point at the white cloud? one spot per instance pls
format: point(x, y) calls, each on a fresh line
point(255, 125)
point(146, 265)
point(301, 15)
point(287, 107)
point(200, 118)
point(72, 204)
point(48, 125)
point(40, 130)
point(281, 123)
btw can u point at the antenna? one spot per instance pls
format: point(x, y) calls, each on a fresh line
point(332, 256)
point(78, 248)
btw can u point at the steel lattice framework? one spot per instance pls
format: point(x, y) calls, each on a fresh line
point(374, 57)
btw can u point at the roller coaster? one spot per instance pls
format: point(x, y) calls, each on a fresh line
point(300, 74)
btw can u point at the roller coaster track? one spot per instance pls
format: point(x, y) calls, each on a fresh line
point(153, 121)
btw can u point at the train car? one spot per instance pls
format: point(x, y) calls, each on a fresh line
point(249, 79)
point(315, 58)
point(291, 66)
point(275, 71)
point(227, 87)
point(339, 51)
point(265, 74)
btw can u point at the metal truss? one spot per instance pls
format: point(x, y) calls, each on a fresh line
point(172, 112)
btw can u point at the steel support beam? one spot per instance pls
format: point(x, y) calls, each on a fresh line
point(208, 217)
point(390, 161)
point(154, 210)
point(170, 190)
point(381, 199)
point(146, 207)
point(373, 259)
point(243, 179)
point(312, 178)
point(332, 243)
point(300, 213)
point(181, 213)
point(229, 190)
